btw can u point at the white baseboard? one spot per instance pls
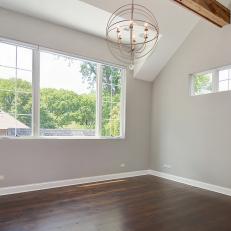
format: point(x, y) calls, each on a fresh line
point(85, 180)
point(194, 183)
point(62, 183)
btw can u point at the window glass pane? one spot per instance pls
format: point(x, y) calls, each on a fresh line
point(106, 106)
point(111, 97)
point(23, 103)
point(115, 127)
point(7, 100)
point(111, 75)
point(224, 80)
point(7, 73)
point(223, 75)
point(202, 83)
point(24, 125)
point(224, 85)
point(15, 93)
point(106, 128)
point(24, 81)
point(111, 128)
point(24, 58)
point(7, 55)
point(68, 96)
point(111, 110)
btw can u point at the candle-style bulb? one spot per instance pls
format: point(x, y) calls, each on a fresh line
point(131, 24)
point(145, 35)
point(146, 26)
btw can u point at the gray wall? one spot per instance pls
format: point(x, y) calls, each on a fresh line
point(34, 161)
point(192, 134)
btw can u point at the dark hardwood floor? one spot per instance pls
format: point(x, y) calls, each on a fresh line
point(143, 203)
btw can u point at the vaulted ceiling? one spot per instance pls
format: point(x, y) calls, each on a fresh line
point(91, 16)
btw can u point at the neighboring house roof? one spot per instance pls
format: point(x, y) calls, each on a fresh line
point(8, 121)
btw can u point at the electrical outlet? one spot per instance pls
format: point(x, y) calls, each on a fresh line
point(2, 177)
point(168, 166)
point(122, 165)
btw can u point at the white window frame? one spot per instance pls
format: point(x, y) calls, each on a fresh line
point(215, 80)
point(36, 49)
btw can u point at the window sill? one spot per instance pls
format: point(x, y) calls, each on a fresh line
point(62, 138)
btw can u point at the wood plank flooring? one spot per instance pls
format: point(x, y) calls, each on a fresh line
point(145, 203)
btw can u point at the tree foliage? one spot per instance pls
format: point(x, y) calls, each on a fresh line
point(202, 83)
point(66, 107)
point(63, 108)
point(58, 108)
point(111, 81)
point(19, 101)
point(111, 76)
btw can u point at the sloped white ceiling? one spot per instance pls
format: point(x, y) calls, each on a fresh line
point(91, 16)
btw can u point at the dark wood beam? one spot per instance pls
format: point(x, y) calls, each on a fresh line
point(212, 10)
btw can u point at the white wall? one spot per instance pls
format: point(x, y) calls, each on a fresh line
point(193, 134)
point(33, 161)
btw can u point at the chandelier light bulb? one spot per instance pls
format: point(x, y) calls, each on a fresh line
point(145, 34)
point(120, 37)
point(131, 67)
point(131, 24)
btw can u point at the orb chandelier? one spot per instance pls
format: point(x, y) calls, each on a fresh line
point(132, 33)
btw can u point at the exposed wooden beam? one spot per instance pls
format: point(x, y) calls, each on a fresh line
point(212, 10)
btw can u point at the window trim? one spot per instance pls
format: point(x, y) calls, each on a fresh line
point(215, 80)
point(36, 49)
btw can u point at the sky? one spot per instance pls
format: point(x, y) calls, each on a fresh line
point(55, 71)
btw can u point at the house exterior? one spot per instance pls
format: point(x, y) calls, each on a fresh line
point(9, 122)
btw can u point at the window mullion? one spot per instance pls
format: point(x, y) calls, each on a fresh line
point(191, 85)
point(99, 100)
point(123, 104)
point(36, 93)
point(216, 81)
point(16, 94)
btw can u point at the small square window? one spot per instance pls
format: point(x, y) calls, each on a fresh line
point(202, 84)
point(216, 80)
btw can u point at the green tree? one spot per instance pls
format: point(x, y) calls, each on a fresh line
point(202, 83)
point(66, 107)
point(111, 127)
point(111, 79)
point(16, 97)
point(111, 76)
point(58, 108)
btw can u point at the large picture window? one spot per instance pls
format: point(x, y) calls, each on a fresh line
point(50, 94)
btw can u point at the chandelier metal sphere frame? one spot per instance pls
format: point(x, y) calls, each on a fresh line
point(132, 33)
